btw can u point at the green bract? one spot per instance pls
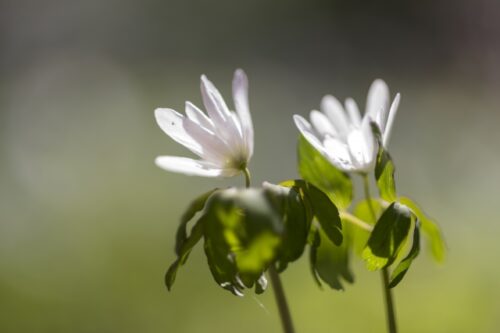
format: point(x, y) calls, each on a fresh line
point(247, 230)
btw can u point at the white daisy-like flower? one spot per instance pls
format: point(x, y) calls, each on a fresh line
point(343, 136)
point(223, 139)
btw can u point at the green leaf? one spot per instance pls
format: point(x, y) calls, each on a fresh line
point(384, 174)
point(331, 262)
point(314, 241)
point(430, 229)
point(323, 209)
point(288, 203)
point(196, 206)
point(387, 237)
point(185, 243)
point(242, 237)
point(401, 269)
point(316, 169)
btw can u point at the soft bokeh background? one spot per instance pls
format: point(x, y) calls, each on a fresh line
point(87, 221)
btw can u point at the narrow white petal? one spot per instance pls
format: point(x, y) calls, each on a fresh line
point(334, 110)
point(196, 115)
point(240, 97)
point(219, 113)
point(361, 146)
point(212, 147)
point(390, 120)
point(213, 101)
point(307, 131)
point(377, 103)
point(338, 153)
point(322, 124)
point(170, 121)
point(189, 166)
point(353, 112)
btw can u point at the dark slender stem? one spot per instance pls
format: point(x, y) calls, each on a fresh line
point(389, 304)
point(279, 292)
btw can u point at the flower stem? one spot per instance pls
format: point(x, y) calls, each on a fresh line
point(279, 292)
point(246, 172)
point(389, 305)
point(279, 295)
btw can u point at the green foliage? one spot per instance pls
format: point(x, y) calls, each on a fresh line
point(316, 169)
point(323, 209)
point(384, 174)
point(387, 238)
point(296, 218)
point(242, 233)
point(430, 229)
point(401, 269)
point(331, 262)
point(185, 243)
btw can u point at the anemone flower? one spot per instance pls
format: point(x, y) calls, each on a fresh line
point(345, 138)
point(223, 139)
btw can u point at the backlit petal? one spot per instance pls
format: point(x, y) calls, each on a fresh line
point(240, 97)
point(334, 110)
point(190, 167)
point(390, 120)
point(170, 121)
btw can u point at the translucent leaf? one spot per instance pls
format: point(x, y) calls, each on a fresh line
point(242, 236)
point(387, 237)
point(401, 269)
point(430, 229)
point(384, 174)
point(316, 169)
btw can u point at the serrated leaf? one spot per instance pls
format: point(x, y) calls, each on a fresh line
point(430, 228)
point(288, 203)
point(332, 263)
point(401, 269)
point(387, 237)
point(323, 209)
point(317, 170)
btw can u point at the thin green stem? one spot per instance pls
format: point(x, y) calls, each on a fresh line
point(346, 216)
point(246, 172)
point(279, 292)
point(389, 304)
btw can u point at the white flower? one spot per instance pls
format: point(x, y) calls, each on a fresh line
point(343, 136)
point(223, 139)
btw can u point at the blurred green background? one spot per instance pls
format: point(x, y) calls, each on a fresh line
point(87, 220)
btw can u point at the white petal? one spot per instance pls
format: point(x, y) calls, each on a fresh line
point(307, 131)
point(390, 120)
point(212, 147)
point(361, 145)
point(213, 101)
point(334, 110)
point(219, 113)
point(377, 103)
point(170, 121)
point(337, 152)
point(322, 124)
point(353, 111)
point(190, 167)
point(196, 115)
point(240, 97)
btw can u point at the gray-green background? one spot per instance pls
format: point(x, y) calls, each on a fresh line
point(87, 221)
